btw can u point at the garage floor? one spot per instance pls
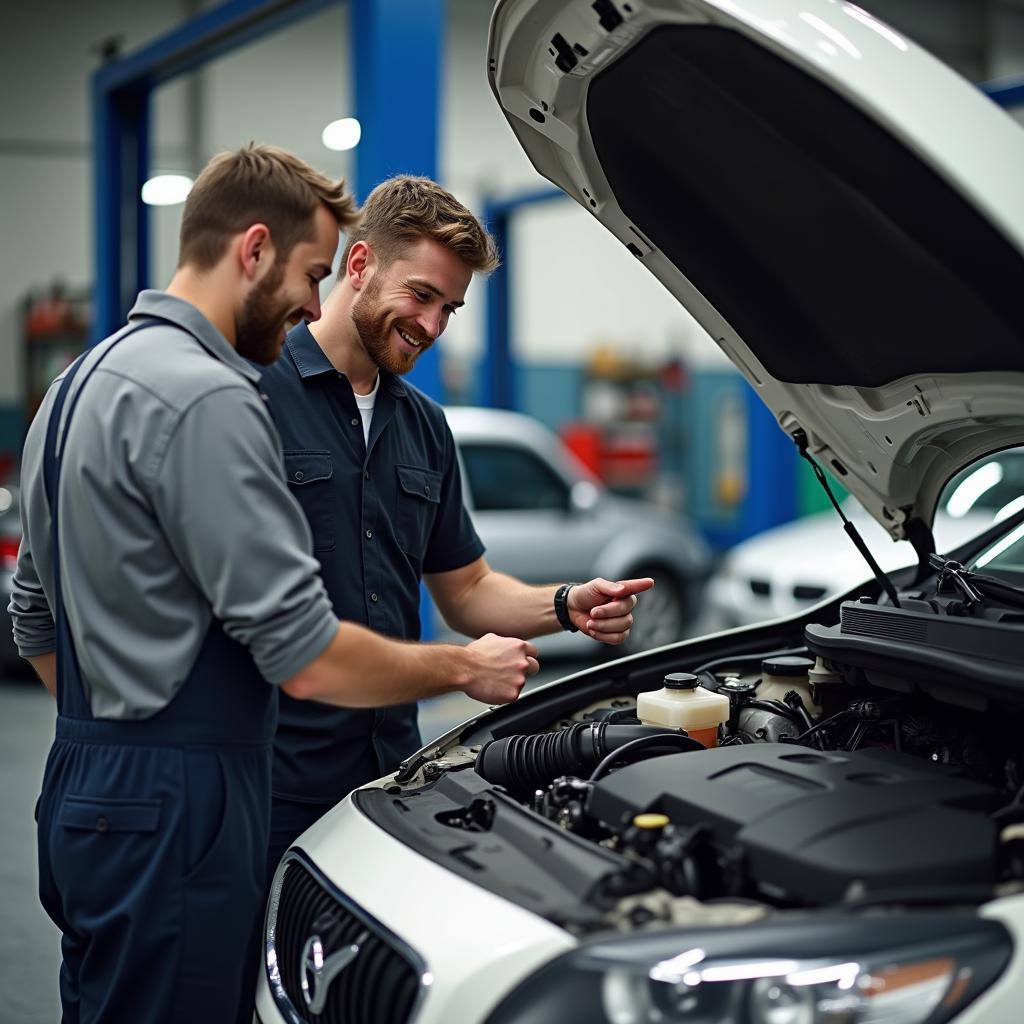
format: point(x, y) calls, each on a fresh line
point(29, 943)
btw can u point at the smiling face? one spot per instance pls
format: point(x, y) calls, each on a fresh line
point(288, 292)
point(404, 306)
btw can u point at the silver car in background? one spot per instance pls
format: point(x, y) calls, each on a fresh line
point(545, 519)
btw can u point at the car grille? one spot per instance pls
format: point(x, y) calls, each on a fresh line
point(801, 591)
point(378, 985)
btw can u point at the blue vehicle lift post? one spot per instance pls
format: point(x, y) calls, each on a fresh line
point(396, 61)
point(498, 368)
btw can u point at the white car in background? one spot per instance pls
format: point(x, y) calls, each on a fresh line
point(781, 572)
point(844, 216)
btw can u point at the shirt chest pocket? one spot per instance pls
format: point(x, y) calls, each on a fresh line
point(419, 495)
point(309, 477)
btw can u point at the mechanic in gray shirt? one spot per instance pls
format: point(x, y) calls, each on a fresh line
point(172, 583)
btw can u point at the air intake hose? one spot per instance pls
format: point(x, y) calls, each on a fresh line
point(524, 764)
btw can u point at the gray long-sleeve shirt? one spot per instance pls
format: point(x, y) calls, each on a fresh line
point(173, 510)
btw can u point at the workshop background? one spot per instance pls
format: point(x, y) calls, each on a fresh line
point(572, 331)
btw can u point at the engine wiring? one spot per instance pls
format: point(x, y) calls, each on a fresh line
point(681, 740)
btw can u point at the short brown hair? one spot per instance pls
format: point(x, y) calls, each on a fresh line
point(257, 184)
point(403, 209)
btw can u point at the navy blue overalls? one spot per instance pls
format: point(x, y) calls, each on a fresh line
point(153, 832)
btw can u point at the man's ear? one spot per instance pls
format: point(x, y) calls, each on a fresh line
point(256, 251)
point(360, 265)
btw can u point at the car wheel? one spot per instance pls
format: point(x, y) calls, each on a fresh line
point(661, 612)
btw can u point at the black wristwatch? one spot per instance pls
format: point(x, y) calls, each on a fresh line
point(562, 607)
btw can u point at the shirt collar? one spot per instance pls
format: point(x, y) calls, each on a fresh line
point(311, 360)
point(153, 303)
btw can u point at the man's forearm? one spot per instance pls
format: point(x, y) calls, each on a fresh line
point(362, 669)
point(45, 666)
point(494, 602)
point(475, 599)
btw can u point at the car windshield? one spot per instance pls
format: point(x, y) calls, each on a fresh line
point(1005, 559)
point(994, 485)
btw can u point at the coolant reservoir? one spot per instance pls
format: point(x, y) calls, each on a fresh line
point(684, 704)
point(785, 673)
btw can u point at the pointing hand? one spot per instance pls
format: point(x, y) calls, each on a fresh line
point(603, 609)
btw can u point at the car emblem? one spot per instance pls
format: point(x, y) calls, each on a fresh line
point(319, 971)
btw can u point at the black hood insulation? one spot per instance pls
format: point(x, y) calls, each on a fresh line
point(830, 248)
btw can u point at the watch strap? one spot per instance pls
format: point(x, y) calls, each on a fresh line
point(562, 607)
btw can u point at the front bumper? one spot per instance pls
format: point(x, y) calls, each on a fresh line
point(469, 947)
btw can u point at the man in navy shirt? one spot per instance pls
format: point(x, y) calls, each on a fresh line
point(373, 463)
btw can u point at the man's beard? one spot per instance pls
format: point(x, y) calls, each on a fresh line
point(258, 325)
point(373, 326)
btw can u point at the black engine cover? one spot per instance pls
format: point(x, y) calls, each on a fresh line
point(806, 825)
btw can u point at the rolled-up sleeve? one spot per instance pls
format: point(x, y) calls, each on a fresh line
point(219, 493)
point(34, 629)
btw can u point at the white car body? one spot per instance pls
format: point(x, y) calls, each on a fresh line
point(466, 972)
point(541, 890)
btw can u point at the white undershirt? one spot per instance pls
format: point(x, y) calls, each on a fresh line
point(366, 404)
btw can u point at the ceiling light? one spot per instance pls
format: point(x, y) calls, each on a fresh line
point(166, 189)
point(343, 134)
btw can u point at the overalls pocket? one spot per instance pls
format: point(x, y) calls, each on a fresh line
point(106, 814)
point(105, 852)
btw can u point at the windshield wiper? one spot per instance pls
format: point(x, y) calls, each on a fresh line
point(974, 586)
point(851, 531)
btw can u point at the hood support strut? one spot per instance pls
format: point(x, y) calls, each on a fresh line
point(924, 544)
point(800, 439)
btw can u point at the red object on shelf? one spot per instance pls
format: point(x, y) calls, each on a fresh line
point(585, 441)
point(622, 455)
point(9, 552)
point(674, 376)
point(49, 314)
point(629, 457)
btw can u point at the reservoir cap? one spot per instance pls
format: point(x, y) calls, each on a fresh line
point(681, 681)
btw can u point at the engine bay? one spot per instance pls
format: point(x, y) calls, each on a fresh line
point(843, 775)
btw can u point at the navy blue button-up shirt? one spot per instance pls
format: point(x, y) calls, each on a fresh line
point(381, 514)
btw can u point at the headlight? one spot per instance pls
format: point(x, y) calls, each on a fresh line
point(918, 969)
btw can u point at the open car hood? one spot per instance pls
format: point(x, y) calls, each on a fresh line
point(841, 212)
